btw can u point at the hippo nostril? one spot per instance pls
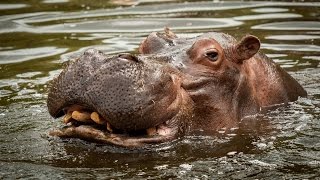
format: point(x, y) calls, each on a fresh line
point(129, 57)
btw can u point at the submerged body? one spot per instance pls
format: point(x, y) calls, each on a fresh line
point(173, 86)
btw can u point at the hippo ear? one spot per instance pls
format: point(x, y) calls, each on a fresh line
point(246, 48)
point(157, 41)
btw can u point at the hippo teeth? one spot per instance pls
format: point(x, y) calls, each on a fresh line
point(72, 117)
point(86, 117)
point(67, 118)
point(91, 126)
point(97, 118)
point(162, 130)
point(81, 116)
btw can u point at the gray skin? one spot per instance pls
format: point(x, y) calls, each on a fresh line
point(207, 82)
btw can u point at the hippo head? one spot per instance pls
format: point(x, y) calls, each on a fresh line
point(172, 86)
point(214, 74)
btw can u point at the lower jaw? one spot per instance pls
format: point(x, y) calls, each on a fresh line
point(91, 133)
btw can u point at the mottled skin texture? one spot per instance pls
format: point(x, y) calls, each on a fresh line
point(207, 82)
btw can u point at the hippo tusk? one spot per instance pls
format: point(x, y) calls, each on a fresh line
point(96, 118)
point(109, 127)
point(99, 120)
point(67, 118)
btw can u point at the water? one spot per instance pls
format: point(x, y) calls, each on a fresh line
point(38, 37)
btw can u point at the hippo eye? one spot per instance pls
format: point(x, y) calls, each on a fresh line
point(212, 55)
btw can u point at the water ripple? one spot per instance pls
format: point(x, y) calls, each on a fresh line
point(138, 25)
point(146, 10)
point(54, 1)
point(291, 47)
point(269, 10)
point(293, 37)
point(11, 6)
point(268, 16)
point(290, 25)
point(162, 9)
point(20, 55)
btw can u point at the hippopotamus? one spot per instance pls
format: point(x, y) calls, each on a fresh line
point(171, 87)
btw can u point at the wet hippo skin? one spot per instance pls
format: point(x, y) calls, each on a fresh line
point(173, 86)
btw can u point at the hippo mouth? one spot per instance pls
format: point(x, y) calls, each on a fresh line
point(92, 127)
point(84, 124)
point(123, 100)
